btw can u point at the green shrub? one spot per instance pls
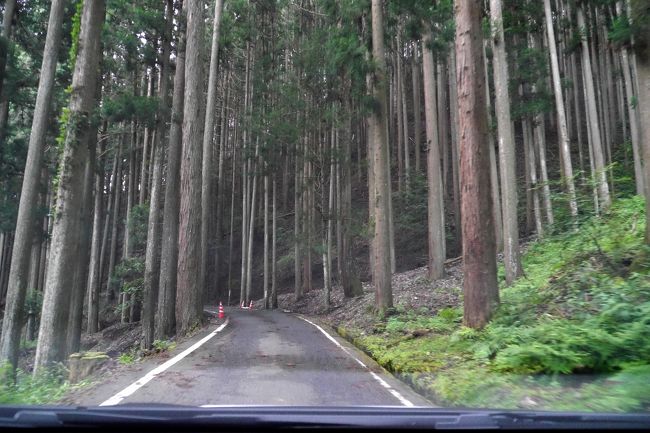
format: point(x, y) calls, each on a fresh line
point(43, 388)
point(164, 345)
point(127, 358)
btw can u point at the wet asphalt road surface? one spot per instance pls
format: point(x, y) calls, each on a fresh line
point(265, 358)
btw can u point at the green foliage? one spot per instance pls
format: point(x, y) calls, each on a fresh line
point(553, 346)
point(124, 107)
point(130, 268)
point(412, 205)
point(128, 276)
point(76, 30)
point(46, 387)
point(572, 334)
point(620, 31)
point(408, 322)
point(163, 345)
point(138, 224)
point(640, 16)
point(34, 301)
point(127, 358)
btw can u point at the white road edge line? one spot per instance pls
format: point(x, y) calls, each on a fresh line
point(117, 398)
point(381, 381)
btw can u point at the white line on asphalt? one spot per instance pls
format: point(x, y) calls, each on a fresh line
point(117, 398)
point(381, 381)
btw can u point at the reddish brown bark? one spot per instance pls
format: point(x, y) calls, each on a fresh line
point(479, 253)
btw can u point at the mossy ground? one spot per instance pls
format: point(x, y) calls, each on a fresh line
point(572, 334)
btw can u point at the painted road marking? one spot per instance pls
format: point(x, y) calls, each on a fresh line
point(381, 381)
point(117, 398)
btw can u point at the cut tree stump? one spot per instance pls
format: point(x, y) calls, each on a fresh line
point(84, 364)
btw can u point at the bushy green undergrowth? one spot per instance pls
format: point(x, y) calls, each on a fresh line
point(43, 388)
point(572, 334)
point(128, 358)
point(163, 345)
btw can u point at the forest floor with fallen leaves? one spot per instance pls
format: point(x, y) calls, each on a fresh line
point(412, 291)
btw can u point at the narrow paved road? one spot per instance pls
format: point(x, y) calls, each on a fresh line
point(264, 358)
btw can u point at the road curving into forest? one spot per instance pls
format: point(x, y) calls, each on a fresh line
point(260, 358)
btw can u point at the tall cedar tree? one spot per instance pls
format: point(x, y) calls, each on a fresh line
point(480, 287)
point(189, 294)
point(381, 184)
point(18, 275)
point(61, 268)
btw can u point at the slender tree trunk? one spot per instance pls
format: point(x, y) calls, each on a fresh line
point(528, 184)
point(532, 169)
point(479, 255)
point(52, 333)
point(80, 284)
point(45, 244)
point(150, 78)
point(417, 110)
point(112, 255)
point(443, 126)
point(327, 267)
point(391, 220)
point(40, 234)
point(339, 199)
point(349, 277)
point(266, 240)
point(251, 227)
point(561, 114)
point(245, 177)
point(189, 299)
point(507, 157)
point(494, 172)
point(127, 301)
point(3, 260)
point(577, 111)
point(297, 226)
point(590, 148)
point(382, 257)
point(633, 115)
point(2, 270)
point(274, 286)
point(435, 197)
point(496, 198)
point(307, 220)
point(154, 232)
point(600, 176)
point(6, 264)
point(5, 32)
point(641, 16)
point(208, 137)
point(220, 188)
point(455, 157)
point(540, 134)
point(539, 129)
point(25, 221)
point(398, 111)
point(405, 125)
point(244, 228)
point(232, 220)
point(94, 279)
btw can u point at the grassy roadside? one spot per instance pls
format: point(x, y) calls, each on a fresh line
point(44, 388)
point(572, 334)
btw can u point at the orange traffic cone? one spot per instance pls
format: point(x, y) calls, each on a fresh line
point(221, 312)
point(250, 307)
